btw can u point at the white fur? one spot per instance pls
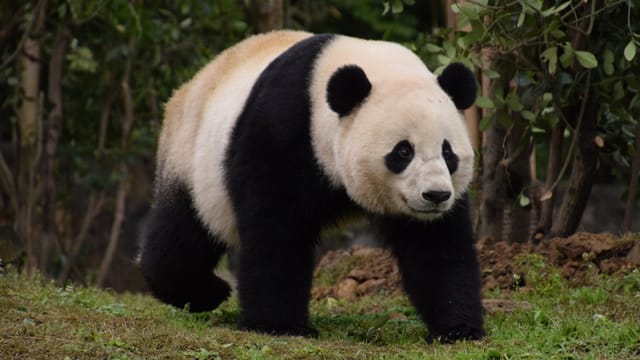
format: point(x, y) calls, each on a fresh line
point(405, 103)
point(199, 120)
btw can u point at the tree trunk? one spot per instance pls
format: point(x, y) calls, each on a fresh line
point(582, 174)
point(492, 196)
point(266, 15)
point(493, 184)
point(550, 186)
point(55, 119)
point(633, 184)
point(29, 127)
point(518, 180)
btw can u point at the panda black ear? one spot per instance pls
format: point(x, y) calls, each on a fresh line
point(460, 83)
point(347, 88)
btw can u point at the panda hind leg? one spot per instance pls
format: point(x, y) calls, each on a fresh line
point(178, 254)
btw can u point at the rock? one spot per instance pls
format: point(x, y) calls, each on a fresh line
point(347, 289)
point(633, 257)
point(371, 286)
point(359, 274)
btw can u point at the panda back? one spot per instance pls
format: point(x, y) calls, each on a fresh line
point(199, 119)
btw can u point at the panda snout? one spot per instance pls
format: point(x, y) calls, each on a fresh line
point(436, 197)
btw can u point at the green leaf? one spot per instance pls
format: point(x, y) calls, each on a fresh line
point(630, 50)
point(528, 115)
point(432, 48)
point(485, 122)
point(555, 9)
point(550, 56)
point(387, 7)
point(410, 2)
point(484, 102)
point(566, 59)
point(397, 6)
point(547, 97)
point(618, 91)
point(557, 34)
point(521, 19)
point(513, 102)
point(607, 65)
point(449, 48)
point(444, 60)
point(491, 74)
point(524, 200)
point(587, 59)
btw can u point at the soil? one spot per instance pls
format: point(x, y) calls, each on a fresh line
point(361, 271)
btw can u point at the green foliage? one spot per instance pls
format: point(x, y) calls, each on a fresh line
point(559, 51)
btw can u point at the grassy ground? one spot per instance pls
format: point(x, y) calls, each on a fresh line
point(40, 321)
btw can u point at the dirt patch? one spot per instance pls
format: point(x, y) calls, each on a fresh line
point(360, 271)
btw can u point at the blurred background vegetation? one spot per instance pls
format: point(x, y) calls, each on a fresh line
point(83, 83)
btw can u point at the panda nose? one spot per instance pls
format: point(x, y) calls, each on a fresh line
point(436, 196)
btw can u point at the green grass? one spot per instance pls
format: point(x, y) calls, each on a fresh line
point(599, 321)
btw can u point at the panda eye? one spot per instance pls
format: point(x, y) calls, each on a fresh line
point(404, 150)
point(447, 152)
point(400, 157)
point(449, 157)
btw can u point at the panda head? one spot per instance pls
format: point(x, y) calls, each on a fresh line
point(403, 147)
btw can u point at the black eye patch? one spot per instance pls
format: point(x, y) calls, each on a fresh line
point(449, 157)
point(400, 157)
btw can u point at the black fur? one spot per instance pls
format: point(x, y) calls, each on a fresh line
point(347, 88)
point(458, 81)
point(178, 255)
point(440, 272)
point(449, 156)
point(279, 194)
point(400, 157)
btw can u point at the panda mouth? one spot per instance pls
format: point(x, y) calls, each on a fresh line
point(420, 211)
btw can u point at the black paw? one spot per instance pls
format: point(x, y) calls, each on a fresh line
point(280, 330)
point(461, 332)
point(210, 296)
point(195, 294)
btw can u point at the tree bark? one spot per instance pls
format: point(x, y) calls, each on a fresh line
point(267, 15)
point(54, 127)
point(518, 180)
point(550, 186)
point(582, 174)
point(633, 184)
point(492, 196)
point(493, 184)
point(29, 127)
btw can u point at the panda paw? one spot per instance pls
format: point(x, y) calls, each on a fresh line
point(461, 332)
point(281, 330)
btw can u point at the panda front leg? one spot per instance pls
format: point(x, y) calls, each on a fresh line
point(274, 274)
point(440, 272)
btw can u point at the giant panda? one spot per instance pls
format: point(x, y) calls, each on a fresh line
point(284, 136)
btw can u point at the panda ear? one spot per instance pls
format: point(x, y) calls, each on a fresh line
point(347, 88)
point(460, 83)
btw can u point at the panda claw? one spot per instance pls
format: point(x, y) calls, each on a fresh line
point(450, 336)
